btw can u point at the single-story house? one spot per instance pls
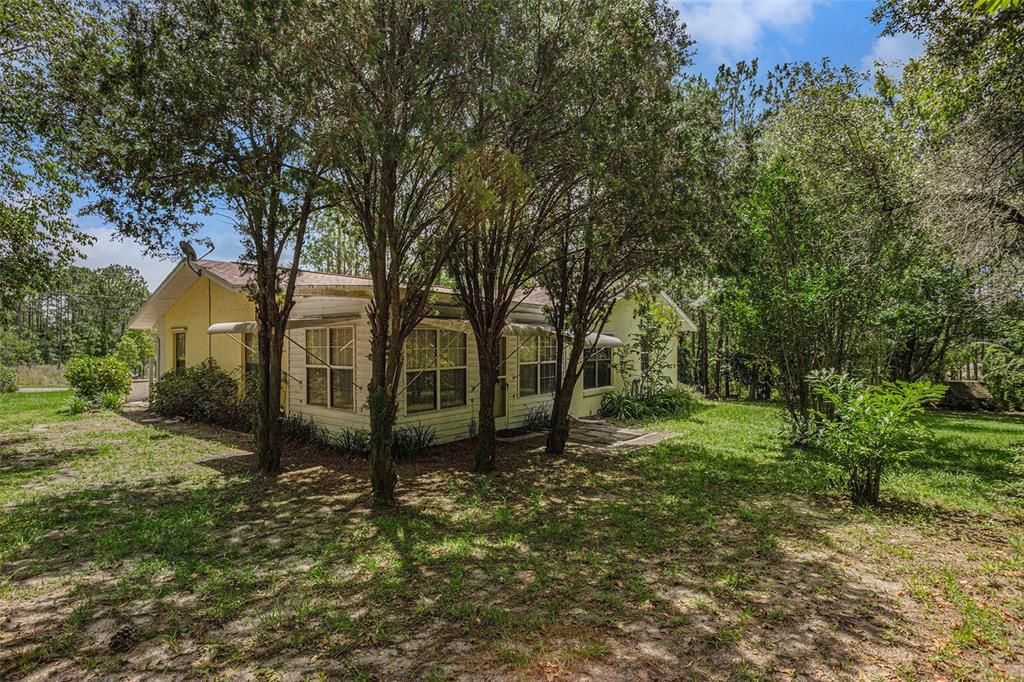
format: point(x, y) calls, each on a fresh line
point(201, 311)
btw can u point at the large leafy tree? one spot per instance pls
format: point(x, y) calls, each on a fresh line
point(627, 210)
point(815, 254)
point(965, 94)
point(410, 68)
point(37, 236)
point(514, 182)
point(180, 108)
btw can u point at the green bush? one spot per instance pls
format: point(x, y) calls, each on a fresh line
point(111, 401)
point(412, 441)
point(872, 428)
point(353, 442)
point(299, 429)
point(77, 404)
point(204, 393)
point(1004, 377)
point(538, 418)
point(662, 404)
point(8, 380)
point(91, 377)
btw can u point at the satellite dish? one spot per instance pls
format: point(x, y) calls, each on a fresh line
point(186, 248)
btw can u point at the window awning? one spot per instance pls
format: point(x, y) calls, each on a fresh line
point(232, 328)
point(595, 340)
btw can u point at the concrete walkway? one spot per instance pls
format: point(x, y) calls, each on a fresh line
point(43, 389)
point(596, 433)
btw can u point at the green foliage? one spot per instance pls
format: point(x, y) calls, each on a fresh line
point(111, 401)
point(205, 393)
point(15, 350)
point(37, 235)
point(664, 403)
point(538, 418)
point(83, 311)
point(413, 440)
point(136, 348)
point(1004, 377)
point(8, 379)
point(354, 442)
point(297, 428)
point(994, 6)
point(871, 428)
point(91, 376)
point(76, 404)
point(656, 325)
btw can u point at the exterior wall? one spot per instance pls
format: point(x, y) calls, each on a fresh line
point(203, 304)
point(454, 423)
point(621, 323)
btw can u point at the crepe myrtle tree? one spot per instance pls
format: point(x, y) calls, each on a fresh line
point(515, 180)
point(630, 209)
point(410, 68)
point(176, 109)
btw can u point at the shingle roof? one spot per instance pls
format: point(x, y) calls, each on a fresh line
point(232, 274)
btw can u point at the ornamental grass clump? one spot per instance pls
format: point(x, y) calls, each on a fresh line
point(871, 428)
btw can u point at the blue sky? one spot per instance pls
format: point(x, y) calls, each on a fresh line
point(726, 31)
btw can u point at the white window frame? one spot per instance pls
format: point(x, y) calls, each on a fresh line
point(328, 367)
point(436, 369)
point(534, 367)
point(588, 358)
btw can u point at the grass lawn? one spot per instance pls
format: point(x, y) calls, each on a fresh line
point(718, 554)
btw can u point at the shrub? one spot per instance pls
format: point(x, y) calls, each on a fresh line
point(77, 404)
point(297, 428)
point(873, 427)
point(667, 402)
point(1004, 377)
point(412, 441)
point(91, 377)
point(8, 380)
point(353, 442)
point(111, 401)
point(538, 418)
point(205, 393)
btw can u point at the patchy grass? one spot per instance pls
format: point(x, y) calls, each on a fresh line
point(718, 554)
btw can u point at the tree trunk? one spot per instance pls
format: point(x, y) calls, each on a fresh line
point(383, 413)
point(559, 433)
point(755, 377)
point(702, 361)
point(268, 413)
point(558, 436)
point(485, 443)
point(719, 352)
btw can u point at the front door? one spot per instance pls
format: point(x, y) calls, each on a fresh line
point(501, 388)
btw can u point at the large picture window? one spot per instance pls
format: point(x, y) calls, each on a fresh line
point(330, 367)
point(537, 366)
point(597, 368)
point(435, 364)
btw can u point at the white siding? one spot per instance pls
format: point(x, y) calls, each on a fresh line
point(454, 423)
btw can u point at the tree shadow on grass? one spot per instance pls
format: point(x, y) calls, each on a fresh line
point(674, 562)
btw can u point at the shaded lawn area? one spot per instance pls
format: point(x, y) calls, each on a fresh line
point(718, 554)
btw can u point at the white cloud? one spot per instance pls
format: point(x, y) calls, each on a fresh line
point(891, 52)
point(733, 28)
point(109, 249)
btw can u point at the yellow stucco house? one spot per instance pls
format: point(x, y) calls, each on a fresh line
point(201, 311)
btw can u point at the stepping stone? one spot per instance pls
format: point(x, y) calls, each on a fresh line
point(151, 420)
